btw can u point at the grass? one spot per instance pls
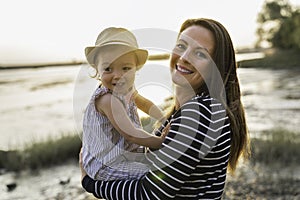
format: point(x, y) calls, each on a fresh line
point(275, 59)
point(43, 154)
point(51, 152)
point(277, 146)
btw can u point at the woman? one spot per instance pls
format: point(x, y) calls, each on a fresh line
point(206, 129)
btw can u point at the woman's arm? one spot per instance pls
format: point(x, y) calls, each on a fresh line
point(173, 164)
point(116, 113)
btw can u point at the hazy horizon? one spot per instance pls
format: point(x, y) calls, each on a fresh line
point(41, 31)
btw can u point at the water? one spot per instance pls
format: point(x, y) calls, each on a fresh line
point(271, 99)
point(36, 104)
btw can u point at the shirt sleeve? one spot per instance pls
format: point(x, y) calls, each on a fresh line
point(190, 138)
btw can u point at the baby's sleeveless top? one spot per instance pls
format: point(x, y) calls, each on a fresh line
point(102, 143)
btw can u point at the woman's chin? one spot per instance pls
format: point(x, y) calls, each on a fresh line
point(178, 78)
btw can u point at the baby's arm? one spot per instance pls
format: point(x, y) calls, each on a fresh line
point(116, 113)
point(148, 107)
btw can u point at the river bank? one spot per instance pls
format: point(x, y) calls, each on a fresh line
point(63, 182)
point(263, 182)
point(274, 59)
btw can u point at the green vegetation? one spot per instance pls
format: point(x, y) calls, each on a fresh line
point(275, 59)
point(277, 146)
point(279, 25)
point(279, 30)
point(43, 154)
point(50, 152)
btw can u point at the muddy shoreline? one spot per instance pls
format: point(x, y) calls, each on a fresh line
point(63, 182)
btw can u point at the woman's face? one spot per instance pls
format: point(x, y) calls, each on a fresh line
point(118, 74)
point(191, 57)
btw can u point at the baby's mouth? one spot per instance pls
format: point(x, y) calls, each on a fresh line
point(183, 70)
point(119, 84)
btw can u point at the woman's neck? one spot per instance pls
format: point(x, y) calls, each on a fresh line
point(182, 95)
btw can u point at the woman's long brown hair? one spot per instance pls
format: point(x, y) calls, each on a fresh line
point(224, 59)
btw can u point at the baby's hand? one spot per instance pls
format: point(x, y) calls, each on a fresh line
point(165, 131)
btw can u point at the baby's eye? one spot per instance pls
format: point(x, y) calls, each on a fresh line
point(107, 69)
point(127, 68)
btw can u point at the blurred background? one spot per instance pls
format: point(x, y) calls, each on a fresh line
point(45, 85)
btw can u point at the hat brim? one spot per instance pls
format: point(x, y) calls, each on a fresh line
point(141, 54)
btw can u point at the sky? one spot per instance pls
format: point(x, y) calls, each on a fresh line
point(34, 31)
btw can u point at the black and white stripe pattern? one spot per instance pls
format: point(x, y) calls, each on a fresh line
point(192, 163)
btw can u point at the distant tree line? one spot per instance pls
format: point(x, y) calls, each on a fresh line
point(278, 25)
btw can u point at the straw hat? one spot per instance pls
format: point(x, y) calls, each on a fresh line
point(119, 37)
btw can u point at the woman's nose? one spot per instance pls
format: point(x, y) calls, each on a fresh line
point(185, 56)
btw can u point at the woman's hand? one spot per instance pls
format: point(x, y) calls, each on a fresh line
point(83, 172)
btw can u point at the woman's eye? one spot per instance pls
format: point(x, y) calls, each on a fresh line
point(200, 54)
point(180, 46)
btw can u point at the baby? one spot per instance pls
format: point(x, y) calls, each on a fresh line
point(112, 132)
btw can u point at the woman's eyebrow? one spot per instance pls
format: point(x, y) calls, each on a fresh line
point(198, 46)
point(182, 40)
point(202, 48)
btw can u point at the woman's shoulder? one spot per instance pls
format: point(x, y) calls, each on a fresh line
point(204, 100)
point(206, 109)
point(205, 104)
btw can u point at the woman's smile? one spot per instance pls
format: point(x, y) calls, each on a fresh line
point(183, 69)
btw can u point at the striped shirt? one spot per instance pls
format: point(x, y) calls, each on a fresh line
point(106, 154)
point(191, 164)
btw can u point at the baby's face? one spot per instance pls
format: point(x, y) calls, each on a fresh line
point(117, 74)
